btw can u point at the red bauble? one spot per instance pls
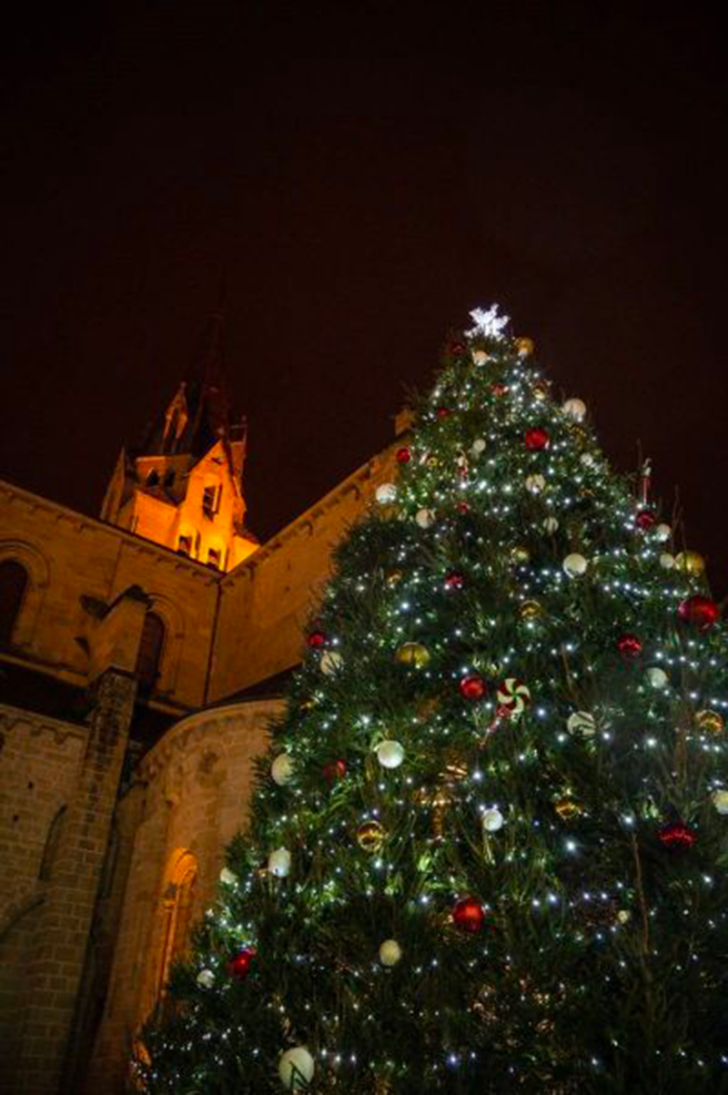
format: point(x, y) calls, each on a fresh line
point(473, 688)
point(536, 439)
point(239, 966)
point(468, 915)
point(499, 389)
point(701, 612)
point(629, 646)
point(443, 412)
point(644, 519)
point(316, 639)
point(676, 836)
point(335, 770)
point(454, 580)
point(403, 456)
point(457, 349)
point(462, 507)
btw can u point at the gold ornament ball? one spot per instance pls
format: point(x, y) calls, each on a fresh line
point(540, 390)
point(370, 836)
point(520, 556)
point(568, 808)
point(432, 461)
point(414, 654)
point(690, 562)
point(530, 610)
point(394, 577)
point(711, 722)
point(525, 346)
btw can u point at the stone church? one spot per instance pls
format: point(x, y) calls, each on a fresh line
point(142, 655)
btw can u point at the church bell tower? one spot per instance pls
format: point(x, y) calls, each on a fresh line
point(183, 488)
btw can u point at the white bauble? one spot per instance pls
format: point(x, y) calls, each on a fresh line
point(206, 979)
point(296, 1068)
point(493, 820)
point(390, 754)
point(479, 357)
point(582, 722)
point(281, 769)
point(720, 801)
point(331, 662)
point(279, 863)
point(662, 533)
point(575, 409)
point(657, 677)
point(551, 524)
point(667, 561)
point(575, 565)
point(587, 460)
point(535, 484)
point(228, 877)
point(425, 518)
point(386, 494)
point(478, 447)
point(390, 952)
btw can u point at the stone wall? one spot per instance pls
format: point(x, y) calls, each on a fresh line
point(77, 566)
point(192, 796)
point(40, 760)
point(267, 601)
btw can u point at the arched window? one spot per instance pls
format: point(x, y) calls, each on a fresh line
point(177, 906)
point(151, 646)
point(13, 584)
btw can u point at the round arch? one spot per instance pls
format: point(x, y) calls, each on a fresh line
point(36, 566)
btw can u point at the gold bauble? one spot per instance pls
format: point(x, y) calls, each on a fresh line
point(540, 390)
point(432, 461)
point(520, 556)
point(579, 436)
point(568, 808)
point(370, 836)
point(690, 562)
point(530, 610)
point(394, 576)
point(415, 654)
point(525, 346)
point(711, 722)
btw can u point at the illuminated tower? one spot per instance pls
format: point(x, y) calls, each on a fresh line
point(183, 487)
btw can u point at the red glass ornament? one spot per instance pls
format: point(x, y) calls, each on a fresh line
point(455, 580)
point(316, 639)
point(629, 646)
point(676, 836)
point(403, 456)
point(462, 507)
point(644, 519)
point(443, 412)
point(536, 439)
point(468, 915)
point(499, 389)
point(336, 769)
point(239, 966)
point(473, 688)
point(457, 349)
point(701, 612)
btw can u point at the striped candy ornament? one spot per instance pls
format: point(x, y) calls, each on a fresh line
point(514, 696)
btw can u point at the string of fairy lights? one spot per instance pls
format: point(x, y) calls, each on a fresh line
point(512, 703)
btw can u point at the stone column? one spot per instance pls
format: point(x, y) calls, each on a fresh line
point(56, 965)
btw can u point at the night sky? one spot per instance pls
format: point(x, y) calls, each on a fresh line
point(362, 175)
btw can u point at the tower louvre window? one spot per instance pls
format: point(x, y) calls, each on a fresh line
point(209, 498)
point(213, 558)
point(13, 585)
point(184, 545)
point(153, 478)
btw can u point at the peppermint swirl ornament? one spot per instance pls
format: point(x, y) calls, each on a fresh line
point(514, 696)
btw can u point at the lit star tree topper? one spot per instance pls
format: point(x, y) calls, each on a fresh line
point(488, 323)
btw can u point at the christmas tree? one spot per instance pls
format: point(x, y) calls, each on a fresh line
point(488, 847)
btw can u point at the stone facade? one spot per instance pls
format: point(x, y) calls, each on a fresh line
point(119, 791)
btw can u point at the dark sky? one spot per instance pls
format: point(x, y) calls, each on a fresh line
point(364, 174)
